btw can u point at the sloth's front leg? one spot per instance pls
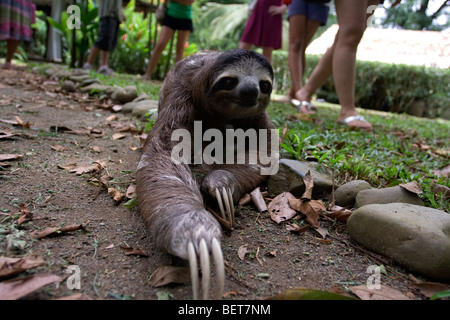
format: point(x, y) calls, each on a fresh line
point(227, 185)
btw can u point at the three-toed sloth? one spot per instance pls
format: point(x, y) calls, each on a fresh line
point(215, 93)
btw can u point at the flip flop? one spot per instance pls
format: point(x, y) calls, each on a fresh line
point(366, 124)
point(310, 108)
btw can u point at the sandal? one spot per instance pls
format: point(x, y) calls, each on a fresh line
point(304, 106)
point(363, 123)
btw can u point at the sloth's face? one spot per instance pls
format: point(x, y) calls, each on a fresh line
point(241, 90)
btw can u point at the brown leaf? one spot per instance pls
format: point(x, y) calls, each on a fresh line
point(131, 191)
point(383, 293)
point(128, 251)
point(258, 200)
point(69, 166)
point(297, 228)
point(340, 213)
point(312, 216)
point(445, 172)
point(309, 185)
point(116, 194)
point(25, 214)
point(169, 274)
point(7, 157)
point(322, 231)
point(428, 289)
point(57, 147)
point(242, 251)
point(412, 186)
point(19, 287)
point(117, 136)
point(5, 134)
point(13, 266)
point(50, 230)
point(279, 207)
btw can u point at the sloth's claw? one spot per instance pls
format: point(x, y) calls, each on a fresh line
point(226, 205)
point(205, 269)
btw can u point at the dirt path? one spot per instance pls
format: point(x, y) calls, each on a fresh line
point(276, 259)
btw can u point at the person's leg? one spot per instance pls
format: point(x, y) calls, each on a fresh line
point(11, 47)
point(245, 45)
point(104, 58)
point(182, 38)
point(164, 37)
point(351, 16)
point(297, 25)
point(267, 52)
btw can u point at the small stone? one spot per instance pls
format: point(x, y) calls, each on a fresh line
point(68, 86)
point(386, 195)
point(289, 178)
point(143, 107)
point(124, 95)
point(345, 195)
point(415, 236)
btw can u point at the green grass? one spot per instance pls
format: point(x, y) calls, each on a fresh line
point(401, 148)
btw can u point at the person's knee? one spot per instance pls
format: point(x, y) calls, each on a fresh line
point(295, 44)
point(351, 35)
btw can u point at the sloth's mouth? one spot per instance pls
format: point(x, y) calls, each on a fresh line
point(248, 103)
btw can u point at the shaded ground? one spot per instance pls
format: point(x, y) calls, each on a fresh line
point(276, 260)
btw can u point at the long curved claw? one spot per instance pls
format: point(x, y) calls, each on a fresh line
point(205, 269)
point(226, 205)
point(194, 270)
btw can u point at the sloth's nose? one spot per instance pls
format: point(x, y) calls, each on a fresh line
point(249, 94)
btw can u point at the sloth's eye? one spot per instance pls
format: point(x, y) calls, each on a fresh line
point(228, 83)
point(265, 86)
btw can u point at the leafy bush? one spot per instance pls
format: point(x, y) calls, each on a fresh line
point(381, 86)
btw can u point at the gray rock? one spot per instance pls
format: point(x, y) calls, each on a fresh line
point(96, 87)
point(415, 236)
point(290, 178)
point(345, 195)
point(141, 108)
point(124, 95)
point(142, 96)
point(89, 81)
point(79, 78)
point(68, 86)
point(386, 195)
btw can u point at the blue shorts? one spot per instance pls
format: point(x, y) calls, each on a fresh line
point(312, 11)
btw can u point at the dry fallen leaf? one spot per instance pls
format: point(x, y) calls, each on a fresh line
point(25, 214)
point(117, 136)
point(19, 287)
point(412, 186)
point(50, 230)
point(279, 207)
point(311, 209)
point(169, 274)
point(340, 213)
point(7, 157)
point(242, 251)
point(296, 228)
point(258, 200)
point(383, 293)
point(128, 251)
point(57, 147)
point(13, 266)
point(309, 186)
point(116, 194)
point(131, 191)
